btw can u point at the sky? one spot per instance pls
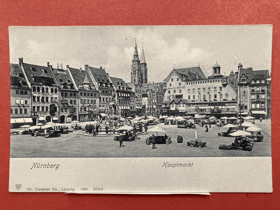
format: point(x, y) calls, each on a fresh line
point(165, 47)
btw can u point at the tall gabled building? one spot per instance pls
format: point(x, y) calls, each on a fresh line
point(88, 95)
point(45, 91)
point(69, 98)
point(103, 84)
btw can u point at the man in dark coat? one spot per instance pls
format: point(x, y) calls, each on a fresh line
point(153, 141)
point(107, 129)
point(146, 127)
point(97, 129)
point(206, 128)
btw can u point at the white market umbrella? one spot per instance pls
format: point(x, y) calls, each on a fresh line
point(129, 117)
point(253, 129)
point(47, 126)
point(230, 126)
point(247, 124)
point(75, 122)
point(157, 130)
point(170, 118)
point(125, 127)
point(49, 123)
point(55, 118)
point(240, 133)
point(248, 118)
point(163, 117)
point(34, 127)
point(232, 118)
point(179, 118)
point(224, 118)
point(41, 119)
point(39, 124)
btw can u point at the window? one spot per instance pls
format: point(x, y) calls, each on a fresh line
point(193, 96)
point(263, 81)
point(43, 89)
point(34, 108)
point(170, 85)
point(88, 101)
point(70, 101)
point(180, 91)
point(221, 89)
point(74, 94)
point(180, 84)
point(253, 81)
point(38, 109)
point(85, 94)
point(38, 89)
point(94, 94)
point(215, 96)
point(258, 105)
point(226, 95)
point(16, 111)
point(204, 97)
point(47, 99)
point(47, 108)
point(172, 80)
point(193, 90)
point(189, 97)
point(34, 98)
point(43, 109)
point(81, 109)
point(43, 99)
point(17, 91)
point(258, 81)
point(174, 91)
point(74, 102)
point(34, 89)
point(25, 92)
point(47, 90)
point(85, 109)
point(81, 94)
point(253, 106)
point(11, 111)
point(62, 94)
point(38, 98)
point(55, 90)
point(51, 99)
point(263, 105)
point(51, 90)
point(177, 79)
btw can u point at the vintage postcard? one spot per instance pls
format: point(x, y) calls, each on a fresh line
point(140, 109)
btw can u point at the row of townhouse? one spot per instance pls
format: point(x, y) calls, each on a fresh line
point(43, 92)
point(188, 92)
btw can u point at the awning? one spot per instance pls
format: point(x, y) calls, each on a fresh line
point(102, 114)
point(41, 118)
point(12, 121)
point(27, 120)
point(258, 112)
point(19, 120)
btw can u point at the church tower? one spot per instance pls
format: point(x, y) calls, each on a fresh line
point(144, 69)
point(135, 67)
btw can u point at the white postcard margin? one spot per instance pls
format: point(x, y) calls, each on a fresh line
point(141, 175)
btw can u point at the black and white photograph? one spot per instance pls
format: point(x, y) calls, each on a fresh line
point(135, 93)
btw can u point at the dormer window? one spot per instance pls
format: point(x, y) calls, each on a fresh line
point(243, 79)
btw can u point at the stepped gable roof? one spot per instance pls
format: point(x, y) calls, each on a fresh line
point(62, 76)
point(188, 74)
point(120, 84)
point(260, 74)
point(79, 78)
point(17, 78)
point(100, 75)
point(32, 71)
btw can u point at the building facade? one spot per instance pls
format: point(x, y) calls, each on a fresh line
point(20, 98)
point(103, 84)
point(190, 88)
point(88, 95)
point(69, 98)
point(254, 92)
point(44, 90)
point(122, 96)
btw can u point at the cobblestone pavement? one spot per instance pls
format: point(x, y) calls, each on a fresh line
point(78, 145)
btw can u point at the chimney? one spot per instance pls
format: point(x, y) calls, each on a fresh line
point(86, 67)
point(20, 61)
point(61, 66)
point(100, 67)
point(48, 64)
point(57, 65)
point(67, 66)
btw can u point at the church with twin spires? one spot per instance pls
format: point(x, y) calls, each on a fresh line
point(139, 70)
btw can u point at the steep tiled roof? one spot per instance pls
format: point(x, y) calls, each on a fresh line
point(188, 74)
point(63, 77)
point(33, 71)
point(120, 84)
point(247, 72)
point(260, 74)
point(100, 75)
point(17, 78)
point(79, 78)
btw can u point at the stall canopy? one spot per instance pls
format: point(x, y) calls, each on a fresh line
point(12, 121)
point(258, 112)
point(27, 120)
point(19, 120)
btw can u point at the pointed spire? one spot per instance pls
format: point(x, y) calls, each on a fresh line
point(135, 56)
point(142, 59)
point(86, 81)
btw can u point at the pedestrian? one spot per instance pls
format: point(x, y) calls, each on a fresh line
point(140, 127)
point(121, 140)
point(209, 124)
point(107, 129)
point(146, 127)
point(260, 119)
point(206, 128)
point(93, 131)
point(97, 128)
point(153, 141)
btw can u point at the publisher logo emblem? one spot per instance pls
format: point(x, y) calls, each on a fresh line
point(18, 186)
